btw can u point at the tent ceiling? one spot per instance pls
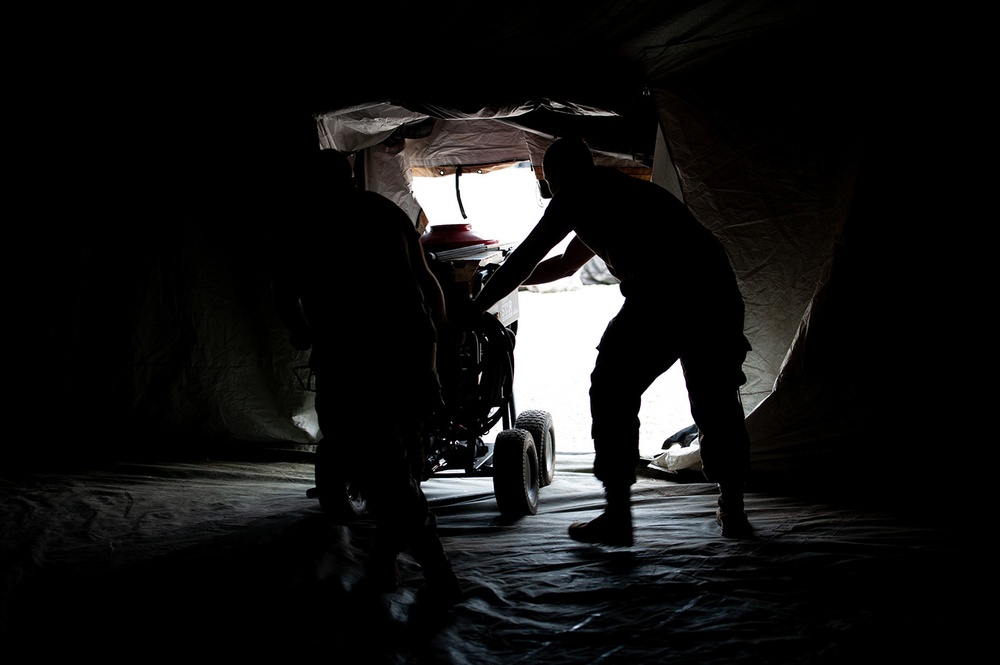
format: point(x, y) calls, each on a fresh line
point(594, 71)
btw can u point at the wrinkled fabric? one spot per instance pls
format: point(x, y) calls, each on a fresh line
point(231, 558)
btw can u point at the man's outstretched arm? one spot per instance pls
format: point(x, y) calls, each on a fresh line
point(574, 257)
point(518, 266)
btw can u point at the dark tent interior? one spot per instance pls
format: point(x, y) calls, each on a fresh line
point(154, 502)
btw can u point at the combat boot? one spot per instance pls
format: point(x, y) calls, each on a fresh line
point(613, 526)
point(731, 515)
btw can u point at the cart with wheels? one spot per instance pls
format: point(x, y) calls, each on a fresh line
point(478, 388)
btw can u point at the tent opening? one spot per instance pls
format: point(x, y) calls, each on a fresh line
point(501, 204)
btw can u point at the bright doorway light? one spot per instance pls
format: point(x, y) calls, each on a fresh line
point(500, 205)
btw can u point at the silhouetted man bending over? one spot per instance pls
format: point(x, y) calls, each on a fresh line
point(682, 302)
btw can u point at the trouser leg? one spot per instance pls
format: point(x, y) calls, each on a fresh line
point(429, 552)
point(403, 519)
point(713, 391)
point(713, 381)
point(634, 350)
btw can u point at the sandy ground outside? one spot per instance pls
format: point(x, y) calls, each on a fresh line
point(555, 347)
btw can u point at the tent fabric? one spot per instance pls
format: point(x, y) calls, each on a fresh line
point(822, 141)
point(760, 116)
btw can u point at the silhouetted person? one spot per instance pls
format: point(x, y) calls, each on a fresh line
point(360, 294)
point(681, 302)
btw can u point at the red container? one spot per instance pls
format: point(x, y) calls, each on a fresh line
point(452, 236)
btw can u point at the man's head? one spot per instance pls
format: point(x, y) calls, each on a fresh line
point(565, 159)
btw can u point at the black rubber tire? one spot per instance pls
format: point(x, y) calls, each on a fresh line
point(539, 423)
point(515, 473)
point(340, 499)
